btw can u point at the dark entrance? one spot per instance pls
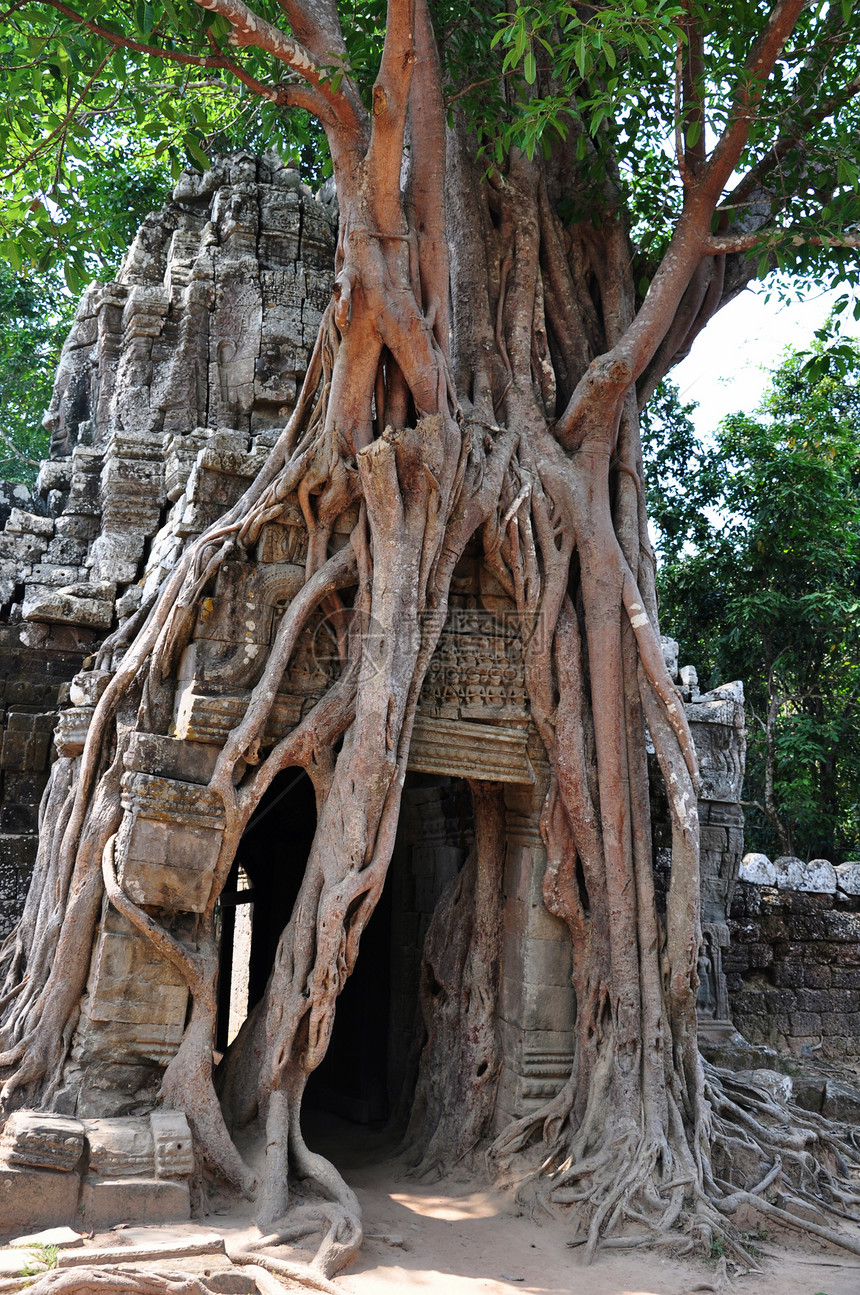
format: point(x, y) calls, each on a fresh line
point(371, 1061)
point(272, 855)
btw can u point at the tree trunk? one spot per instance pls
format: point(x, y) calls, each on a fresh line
point(514, 421)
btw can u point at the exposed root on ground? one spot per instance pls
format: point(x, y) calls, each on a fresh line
point(112, 1280)
point(636, 1193)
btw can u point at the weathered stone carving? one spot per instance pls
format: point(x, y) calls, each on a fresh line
point(136, 1168)
point(42, 1141)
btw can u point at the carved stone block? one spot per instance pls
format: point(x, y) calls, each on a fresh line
point(169, 841)
point(42, 1141)
point(174, 1149)
point(211, 719)
point(181, 455)
point(171, 758)
point(21, 523)
point(71, 730)
point(138, 999)
point(88, 687)
point(120, 1148)
point(67, 606)
point(465, 750)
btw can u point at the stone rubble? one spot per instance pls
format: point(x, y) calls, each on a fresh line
point(55, 1170)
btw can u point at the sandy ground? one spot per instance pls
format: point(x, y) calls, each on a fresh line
point(458, 1238)
point(462, 1240)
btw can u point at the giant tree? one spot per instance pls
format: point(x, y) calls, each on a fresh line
point(537, 216)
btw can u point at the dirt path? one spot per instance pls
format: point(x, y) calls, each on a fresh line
point(458, 1239)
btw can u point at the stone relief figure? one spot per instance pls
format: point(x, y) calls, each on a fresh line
point(706, 1001)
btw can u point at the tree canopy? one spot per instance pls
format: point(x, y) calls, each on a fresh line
point(640, 90)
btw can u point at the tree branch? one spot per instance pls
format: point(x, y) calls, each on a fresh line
point(771, 236)
point(317, 25)
point(251, 82)
point(125, 42)
point(691, 240)
point(249, 29)
point(756, 177)
point(748, 93)
point(390, 102)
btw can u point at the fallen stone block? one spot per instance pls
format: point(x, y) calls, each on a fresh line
point(757, 869)
point(62, 1238)
point(42, 1141)
point(817, 876)
point(21, 523)
point(232, 1281)
point(777, 1084)
point(36, 1198)
point(106, 1201)
point(20, 1262)
point(841, 1102)
point(809, 1094)
point(848, 877)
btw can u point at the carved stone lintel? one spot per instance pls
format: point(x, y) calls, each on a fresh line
point(467, 750)
point(43, 1141)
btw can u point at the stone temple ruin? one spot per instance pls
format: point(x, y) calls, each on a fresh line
point(173, 385)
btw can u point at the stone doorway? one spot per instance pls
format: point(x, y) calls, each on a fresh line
point(259, 895)
point(369, 1071)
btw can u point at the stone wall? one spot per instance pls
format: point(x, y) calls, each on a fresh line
point(173, 383)
point(793, 965)
point(37, 663)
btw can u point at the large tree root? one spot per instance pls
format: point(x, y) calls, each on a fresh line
point(112, 1280)
point(661, 1193)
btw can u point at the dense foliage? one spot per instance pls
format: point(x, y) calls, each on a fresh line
point(161, 80)
point(759, 535)
point(34, 319)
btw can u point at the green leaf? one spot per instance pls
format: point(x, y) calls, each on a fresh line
point(195, 151)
